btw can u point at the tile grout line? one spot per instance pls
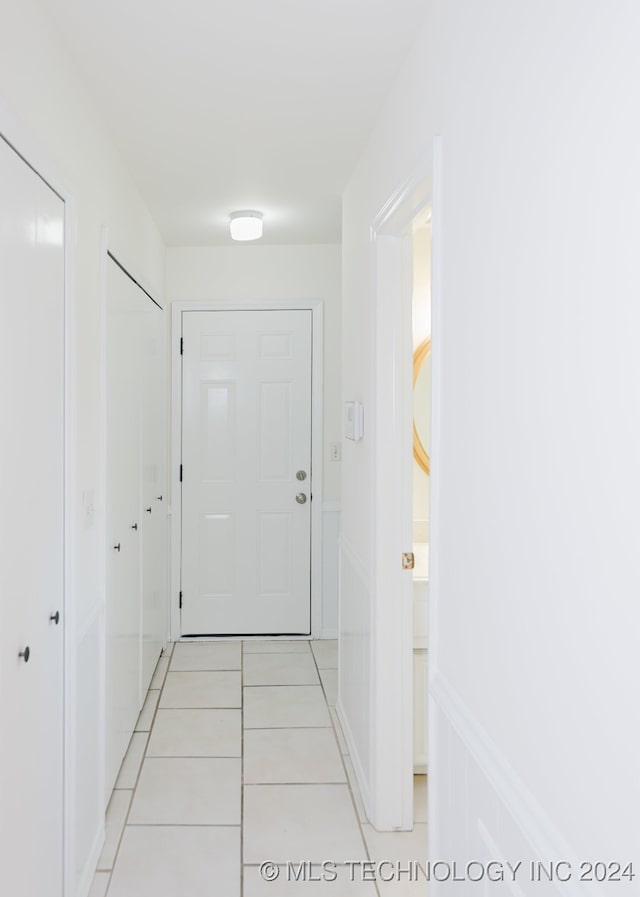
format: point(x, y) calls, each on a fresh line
point(331, 724)
point(344, 767)
point(144, 753)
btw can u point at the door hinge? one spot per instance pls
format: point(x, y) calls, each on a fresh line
point(181, 473)
point(180, 604)
point(182, 345)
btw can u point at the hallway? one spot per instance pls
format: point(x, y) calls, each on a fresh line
point(238, 760)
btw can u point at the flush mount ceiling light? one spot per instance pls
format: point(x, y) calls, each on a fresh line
point(246, 225)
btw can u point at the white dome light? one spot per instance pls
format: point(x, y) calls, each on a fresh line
point(246, 225)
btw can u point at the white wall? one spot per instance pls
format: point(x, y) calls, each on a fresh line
point(45, 111)
point(535, 539)
point(255, 273)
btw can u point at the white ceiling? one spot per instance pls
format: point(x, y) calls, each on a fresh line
point(218, 105)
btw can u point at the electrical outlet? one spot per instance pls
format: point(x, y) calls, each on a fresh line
point(335, 451)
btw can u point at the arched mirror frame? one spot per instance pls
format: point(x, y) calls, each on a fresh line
point(419, 451)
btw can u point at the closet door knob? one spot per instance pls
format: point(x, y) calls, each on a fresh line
point(116, 547)
point(134, 526)
point(26, 654)
point(55, 618)
point(158, 498)
point(148, 510)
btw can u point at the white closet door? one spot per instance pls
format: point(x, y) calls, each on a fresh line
point(246, 491)
point(153, 517)
point(125, 308)
point(31, 530)
point(136, 516)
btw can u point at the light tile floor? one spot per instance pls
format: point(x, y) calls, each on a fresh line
point(238, 760)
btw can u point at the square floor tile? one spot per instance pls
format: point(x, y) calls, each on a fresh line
point(132, 761)
point(285, 823)
point(196, 733)
point(99, 885)
point(279, 669)
point(160, 671)
point(419, 798)
point(330, 686)
point(201, 689)
point(285, 706)
point(191, 656)
point(148, 709)
point(187, 791)
point(291, 756)
point(399, 846)
point(325, 652)
point(114, 824)
point(405, 884)
point(177, 861)
point(276, 646)
point(310, 880)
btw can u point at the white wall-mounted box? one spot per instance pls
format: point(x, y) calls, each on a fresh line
point(353, 420)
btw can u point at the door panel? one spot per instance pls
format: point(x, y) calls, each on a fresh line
point(246, 431)
point(152, 513)
point(136, 516)
point(125, 306)
point(31, 530)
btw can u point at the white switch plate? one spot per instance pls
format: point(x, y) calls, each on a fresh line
point(335, 451)
point(353, 420)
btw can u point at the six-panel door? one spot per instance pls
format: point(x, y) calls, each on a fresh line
point(246, 455)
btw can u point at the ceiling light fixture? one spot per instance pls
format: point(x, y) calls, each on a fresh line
point(246, 225)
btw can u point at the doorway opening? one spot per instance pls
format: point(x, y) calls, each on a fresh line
point(421, 451)
point(402, 243)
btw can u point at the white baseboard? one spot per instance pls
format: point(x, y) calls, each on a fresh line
point(85, 879)
point(354, 756)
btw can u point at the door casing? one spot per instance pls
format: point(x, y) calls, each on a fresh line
point(390, 793)
point(316, 306)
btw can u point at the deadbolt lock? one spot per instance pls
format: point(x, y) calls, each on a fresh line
point(301, 475)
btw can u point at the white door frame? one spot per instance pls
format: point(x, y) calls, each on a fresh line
point(31, 151)
point(391, 718)
point(316, 306)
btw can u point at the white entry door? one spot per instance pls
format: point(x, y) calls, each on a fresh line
point(31, 530)
point(246, 488)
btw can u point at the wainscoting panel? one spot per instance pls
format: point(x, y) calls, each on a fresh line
point(353, 707)
point(481, 812)
point(330, 568)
